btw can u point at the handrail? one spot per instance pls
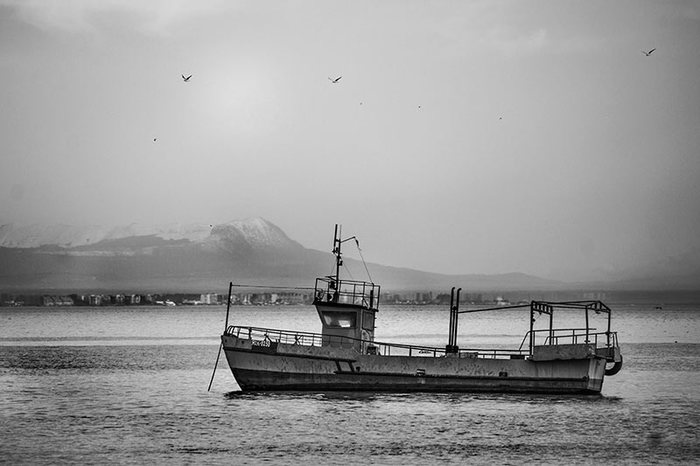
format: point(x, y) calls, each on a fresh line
point(553, 339)
point(317, 339)
point(376, 347)
point(299, 337)
point(328, 289)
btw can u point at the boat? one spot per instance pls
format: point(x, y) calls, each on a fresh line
point(345, 355)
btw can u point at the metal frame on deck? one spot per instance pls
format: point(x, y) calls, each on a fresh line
point(331, 290)
point(374, 347)
point(541, 307)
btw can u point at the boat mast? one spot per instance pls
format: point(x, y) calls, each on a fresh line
point(336, 250)
point(337, 242)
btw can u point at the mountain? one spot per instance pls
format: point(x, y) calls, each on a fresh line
point(195, 258)
point(256, 231)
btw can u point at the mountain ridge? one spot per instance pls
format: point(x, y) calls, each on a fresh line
point(256, 230)
point(195, 256)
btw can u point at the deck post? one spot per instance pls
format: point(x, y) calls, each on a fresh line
point(228, 304)
point(449, 349)
point(452, 319)
point(456, 323)
point(532, 326)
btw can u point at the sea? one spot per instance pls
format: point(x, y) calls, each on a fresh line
point(129, 385)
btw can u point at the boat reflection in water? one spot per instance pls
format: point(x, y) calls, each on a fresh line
point(345, 355)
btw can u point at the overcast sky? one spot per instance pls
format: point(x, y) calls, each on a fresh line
point(464, 137)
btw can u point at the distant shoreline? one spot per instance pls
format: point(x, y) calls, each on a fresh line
point(275, 298)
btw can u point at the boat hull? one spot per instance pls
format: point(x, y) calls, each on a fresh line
point(269, 366)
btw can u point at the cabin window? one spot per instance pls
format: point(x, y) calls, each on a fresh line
point(368, 320)
point(339, 319)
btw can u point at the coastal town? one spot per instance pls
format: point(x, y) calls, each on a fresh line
point(265, 298)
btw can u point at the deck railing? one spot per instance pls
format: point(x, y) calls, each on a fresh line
point(572, 336)
point(370, 347)
point(366, 294)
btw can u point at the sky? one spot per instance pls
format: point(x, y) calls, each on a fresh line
point(463, 137)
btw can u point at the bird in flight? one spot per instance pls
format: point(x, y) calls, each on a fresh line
point(648, 53)
point(186, 79)
point(334, 80)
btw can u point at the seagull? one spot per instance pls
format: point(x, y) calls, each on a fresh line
point(649, 52)
point(334, 80)
point(186, 79)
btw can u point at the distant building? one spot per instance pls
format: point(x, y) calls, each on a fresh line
point(133, 299)
point(595, 296)
point(95, 300)
point(500, 301)
point(209, 298)
point(57, 300)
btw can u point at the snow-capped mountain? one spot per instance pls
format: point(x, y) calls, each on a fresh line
point(190, 257)
point(249, 233)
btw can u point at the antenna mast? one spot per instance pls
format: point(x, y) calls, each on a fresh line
point(336, 250)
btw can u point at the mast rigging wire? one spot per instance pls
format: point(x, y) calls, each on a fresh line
point(363, 260)
point(275, 287)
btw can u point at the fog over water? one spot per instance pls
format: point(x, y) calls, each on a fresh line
point(462, 137)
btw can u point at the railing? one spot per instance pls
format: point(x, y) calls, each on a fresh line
point(573, 336)
point(366, 294)
point(281, 336)
point(369, 347)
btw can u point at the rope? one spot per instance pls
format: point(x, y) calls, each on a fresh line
point(347, 270)
point(276, 287)
point(215, 365)
point(363, 260)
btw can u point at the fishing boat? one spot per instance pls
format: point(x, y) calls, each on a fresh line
point(346, 356)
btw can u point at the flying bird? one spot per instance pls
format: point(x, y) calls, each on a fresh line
point(334, 80)
point(186, 79)
point(649, 52)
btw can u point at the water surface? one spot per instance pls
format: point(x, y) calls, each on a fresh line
point(129, 385)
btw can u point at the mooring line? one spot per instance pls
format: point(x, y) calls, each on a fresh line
point(215, 365)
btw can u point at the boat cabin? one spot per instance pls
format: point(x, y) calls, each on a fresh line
point(347, 309)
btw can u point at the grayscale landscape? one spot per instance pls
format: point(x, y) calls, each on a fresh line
point(158, 155)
